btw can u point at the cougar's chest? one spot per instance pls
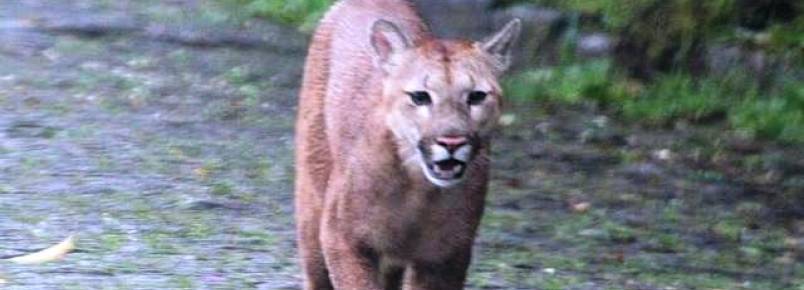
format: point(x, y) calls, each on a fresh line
point(412, 227)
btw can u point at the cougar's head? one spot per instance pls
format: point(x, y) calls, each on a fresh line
point(441, 98)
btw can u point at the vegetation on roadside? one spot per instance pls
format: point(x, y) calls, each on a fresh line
point(301, 13)
point(774, 113)
point(659, 72)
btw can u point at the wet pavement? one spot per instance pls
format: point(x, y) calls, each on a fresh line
point(160, 133)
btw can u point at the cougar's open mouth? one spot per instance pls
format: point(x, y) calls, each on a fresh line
point(447, 169)
point(444, 167)
point(444, 173)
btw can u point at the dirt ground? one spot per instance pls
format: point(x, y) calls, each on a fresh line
point(160, 133)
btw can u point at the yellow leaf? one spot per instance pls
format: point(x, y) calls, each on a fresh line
point(50, 254)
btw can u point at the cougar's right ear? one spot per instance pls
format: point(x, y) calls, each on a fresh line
point(387, 39)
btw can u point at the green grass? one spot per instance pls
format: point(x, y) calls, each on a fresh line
point(779, 116)
point(302, 13)
point(775, 113)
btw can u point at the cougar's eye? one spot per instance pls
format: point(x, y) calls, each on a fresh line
point(476, 97)
point(420, 98)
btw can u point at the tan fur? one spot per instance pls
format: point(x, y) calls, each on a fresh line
point(367, 216)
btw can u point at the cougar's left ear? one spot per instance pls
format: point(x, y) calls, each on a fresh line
point(501, 43)
point(387, 39)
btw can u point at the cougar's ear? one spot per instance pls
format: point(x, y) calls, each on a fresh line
point(387, 39)
point(501, 43)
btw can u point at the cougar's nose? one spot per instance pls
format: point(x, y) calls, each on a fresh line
point(452, 143)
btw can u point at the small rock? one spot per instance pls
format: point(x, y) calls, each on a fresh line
point(581, 207)
point(793, 243)
point(549, 271)
point(664, 154)
point(543, 128)
point(595, 233)
point(507, 119)
point(594, 45)
point(788, 258)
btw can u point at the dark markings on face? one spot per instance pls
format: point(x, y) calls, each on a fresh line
point(440, 53)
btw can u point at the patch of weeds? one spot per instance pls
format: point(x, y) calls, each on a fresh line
point(769, 241)
point(482, 280)
point(223, 188)
point(188, 150)
point(729, 229)
point(76, 201)
point(775, 113)
point(61, 107)
point(779, 116)
point(271, 122)
point(182, 282)
point(91, 82)
point(575, 228)
point(251, 94)
point(571, 84)
point(556, 282)
point(513, 257)
point(181, 57)
point(141, 209)
point(666, 243)
point(701, 280)
point(83, 131)
point(72, 286)
point(126, 267)
point(619, 233)
point(77, 46)
point(104, 163)
point(259, 169)
point(30, 165)
point(501, 221)
point(161, 243)
point(676, 96)
point(261, 238)
point(27, 219)
point(303, 13)
point(707, 176)
point(671, 212)
point(198, 228)
point(239, 75)
point(112, 241)
point(223, 110)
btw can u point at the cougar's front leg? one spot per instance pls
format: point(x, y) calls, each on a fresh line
point(312, 257)
point(351, 266)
